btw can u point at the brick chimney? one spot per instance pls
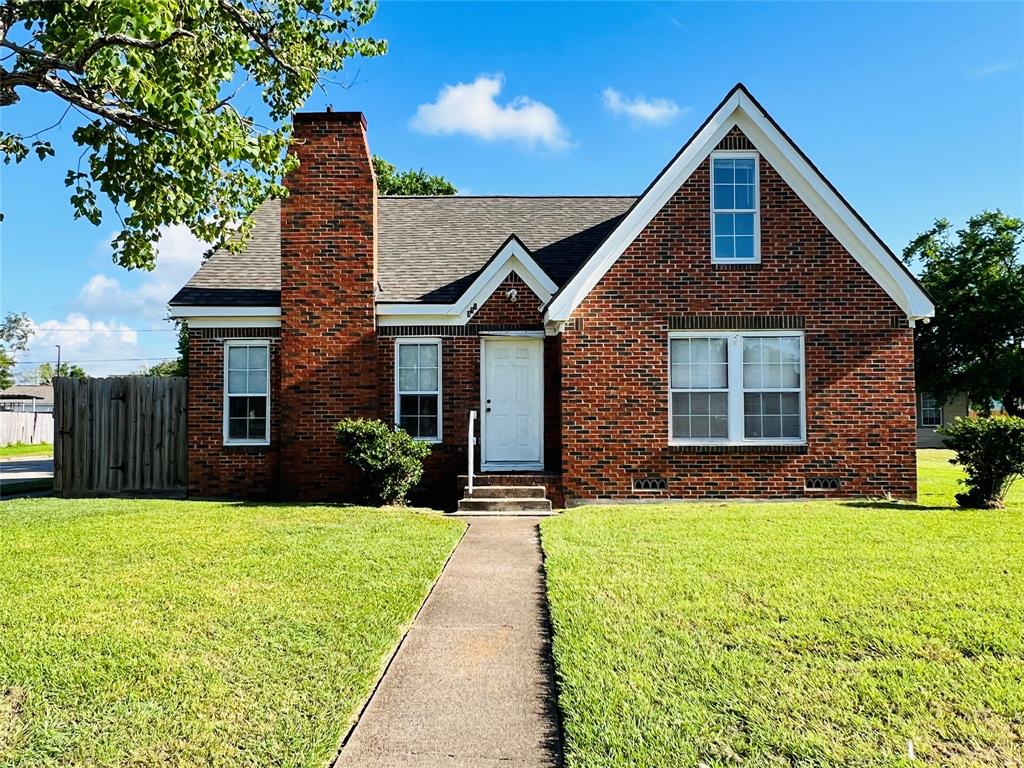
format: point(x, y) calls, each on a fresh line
point(328, 276)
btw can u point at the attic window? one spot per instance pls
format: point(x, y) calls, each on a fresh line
point(735, 235)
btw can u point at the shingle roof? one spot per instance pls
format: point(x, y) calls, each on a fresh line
point(42, 392)
point(429, 249)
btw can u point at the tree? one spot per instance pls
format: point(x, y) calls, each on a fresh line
point(391, 181)
point(45, 373)
point(177, 366)
point(156, 82)
point(976, 279)
point(15, 331)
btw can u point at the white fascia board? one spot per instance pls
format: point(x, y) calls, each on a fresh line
point(513, 257)
point(797, 172)
point(200, 311)
point(233, 322)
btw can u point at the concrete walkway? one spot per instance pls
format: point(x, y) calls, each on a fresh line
point(471, 686)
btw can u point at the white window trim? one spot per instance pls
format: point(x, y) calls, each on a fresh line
point(244, 343)
point(734, 341)
point(738, 155)
point(440, 402)
point(920, 411)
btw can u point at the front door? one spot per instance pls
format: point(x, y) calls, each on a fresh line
point(513, 403)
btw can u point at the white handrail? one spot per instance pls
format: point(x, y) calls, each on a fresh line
point(472, 444)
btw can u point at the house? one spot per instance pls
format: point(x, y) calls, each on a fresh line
point(931, 414)
point(33, 398)
point(736, 330)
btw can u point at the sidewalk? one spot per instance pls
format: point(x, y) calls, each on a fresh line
point(471, 685)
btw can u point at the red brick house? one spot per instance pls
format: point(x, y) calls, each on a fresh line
point(737, 330)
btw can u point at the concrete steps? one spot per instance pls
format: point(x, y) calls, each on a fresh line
point(526, 499)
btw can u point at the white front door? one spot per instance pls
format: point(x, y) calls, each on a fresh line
point(513, 402)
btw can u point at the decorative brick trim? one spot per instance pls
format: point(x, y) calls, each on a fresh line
point(735, 139)
point(234, 333)
point(736, 323)
point(771, 449)
point(725, 267)
point(453, 330)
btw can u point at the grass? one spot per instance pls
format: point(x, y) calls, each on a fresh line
point(26, 449)
point(796, 634)
point(163, 633)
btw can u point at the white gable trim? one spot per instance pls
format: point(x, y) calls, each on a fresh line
point(740, 109)
point(513, 256)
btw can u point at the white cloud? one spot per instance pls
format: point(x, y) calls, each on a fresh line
point(653, 111)
point(994, 69)
point(179, 254)
point(82, 340)
point(471, 108)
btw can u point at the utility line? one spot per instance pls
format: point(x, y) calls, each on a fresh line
point(104, 360)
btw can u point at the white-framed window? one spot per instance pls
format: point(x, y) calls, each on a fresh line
point(246, 392)
point(735, 225)
point(736, 388)
point(930, 411)
point(418, 388)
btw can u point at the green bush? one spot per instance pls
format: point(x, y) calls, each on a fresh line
point(991, 451)
point(389, 459)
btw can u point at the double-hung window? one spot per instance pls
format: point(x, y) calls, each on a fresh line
point(246, 392)
point(735, 235)
point(418, 388)
point(930, 411)
point(736, 388)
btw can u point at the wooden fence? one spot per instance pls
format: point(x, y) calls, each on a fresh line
point(121, 435)
point(25, 427)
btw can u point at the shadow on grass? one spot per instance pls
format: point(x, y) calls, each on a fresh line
point(910, 506)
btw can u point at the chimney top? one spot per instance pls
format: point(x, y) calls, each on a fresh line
point(307, 118)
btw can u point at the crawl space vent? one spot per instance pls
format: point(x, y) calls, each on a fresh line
point(821, 484)
point(650, 484)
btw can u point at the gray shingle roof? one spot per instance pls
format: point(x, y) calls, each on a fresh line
point(42, 392)
point(429, 248)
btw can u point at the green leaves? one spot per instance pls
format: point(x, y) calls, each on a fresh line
point(391, 181)
point(167, 146)
point(976, 279)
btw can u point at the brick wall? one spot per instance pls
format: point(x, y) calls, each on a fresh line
point(859, 362)
point(328, 277)
point(214, 469)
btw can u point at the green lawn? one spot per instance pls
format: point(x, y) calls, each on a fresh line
point(798, 634)
point(163, 633)
point(25, 449)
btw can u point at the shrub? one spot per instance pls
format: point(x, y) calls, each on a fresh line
point(991, 451)
point(390, 460)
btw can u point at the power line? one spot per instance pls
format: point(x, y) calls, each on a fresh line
point(40, 329)
point(105, 360)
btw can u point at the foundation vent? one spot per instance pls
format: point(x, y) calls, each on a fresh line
point(650, 484)
point(821, 484)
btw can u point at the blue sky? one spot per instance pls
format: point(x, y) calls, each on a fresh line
point(914, 111)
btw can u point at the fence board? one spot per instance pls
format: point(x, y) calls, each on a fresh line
point(25, 427)
point(120, 435)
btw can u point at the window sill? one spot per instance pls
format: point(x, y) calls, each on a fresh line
point(246, 445)
point(738, 265)
point(779, 448)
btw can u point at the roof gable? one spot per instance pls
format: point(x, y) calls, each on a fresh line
point(740, 109)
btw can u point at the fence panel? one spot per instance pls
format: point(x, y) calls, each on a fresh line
point(25, 427)
point(120, 435)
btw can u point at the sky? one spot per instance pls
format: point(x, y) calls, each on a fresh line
point(914, 111)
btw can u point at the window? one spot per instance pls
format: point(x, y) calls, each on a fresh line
point(736, 388)
point(734, 194)
point(930, 411)
point(247, 392)
point(418, 389)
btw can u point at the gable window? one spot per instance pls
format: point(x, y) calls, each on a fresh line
point(736, 388)
point(930, 411)
point(418, 388)
point(246, 392)
point(735, 235)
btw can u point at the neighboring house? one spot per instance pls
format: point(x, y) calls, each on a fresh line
point(33, 398)
point(931, 414)
point(737, 330)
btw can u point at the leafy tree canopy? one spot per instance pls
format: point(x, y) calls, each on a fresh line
point(391, 181)
point(976, 278)
point(45, 373)
point(178, 366)
point(15, 331)
point(157, 82)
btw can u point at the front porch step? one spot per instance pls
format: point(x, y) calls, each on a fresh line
point(507, 492)
point(500, 506)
